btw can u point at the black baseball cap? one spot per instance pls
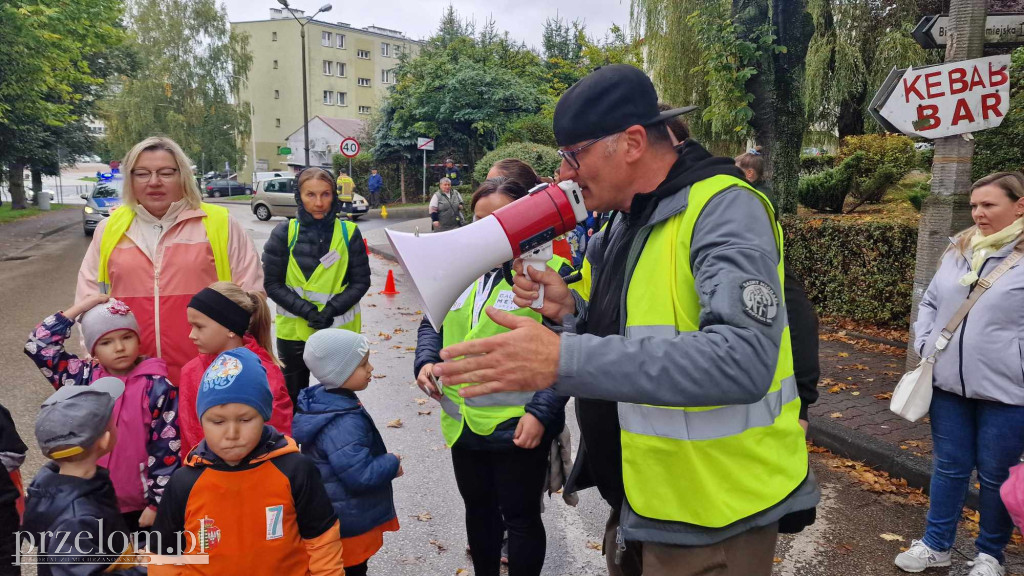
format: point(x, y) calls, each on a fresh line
point(608, 100)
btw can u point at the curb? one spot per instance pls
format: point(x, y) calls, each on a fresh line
point(842, 441)
point(383, 252)
point(868, 337)
point(61, 228)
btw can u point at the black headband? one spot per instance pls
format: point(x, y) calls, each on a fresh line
point(221, 310)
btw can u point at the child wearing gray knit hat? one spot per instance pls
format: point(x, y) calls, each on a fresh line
point(336, 431)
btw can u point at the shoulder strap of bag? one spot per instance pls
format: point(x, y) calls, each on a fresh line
point(983, 285)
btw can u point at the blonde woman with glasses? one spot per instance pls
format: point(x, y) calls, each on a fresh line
point(163, 246)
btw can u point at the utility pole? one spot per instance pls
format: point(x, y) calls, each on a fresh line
point(305, 89)
point(947, 209)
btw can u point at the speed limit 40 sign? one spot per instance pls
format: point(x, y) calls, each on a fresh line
point(350, 147)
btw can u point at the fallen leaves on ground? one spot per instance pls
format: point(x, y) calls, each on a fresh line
point(777, 560)
point(892, 537)
point(384, 336)
point(843, 354)
point(838, 388)
point(396, 423)
point(421, 401)
point(441, 546)
point(422, 516)
point(884, 396)
point(836, 415)
point(461, 571)
point(879, 481)
point(398, 331)
point(595, 546)
point(423, 412)
point(844, 324)
point(379, 376)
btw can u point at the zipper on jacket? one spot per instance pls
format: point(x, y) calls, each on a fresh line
point(620, 545)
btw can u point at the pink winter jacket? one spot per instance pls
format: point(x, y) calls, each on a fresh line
point(158, 290)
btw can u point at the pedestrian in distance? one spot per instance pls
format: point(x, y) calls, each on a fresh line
point(224, 317)
point(145, 415)
point(338, 434)
point(346, 186)
point(751, 163)
point(72, 494)
point(688, 487)
point(451, 172)
point(375, 184)
point(316, 272)
point(258, 505)
point(12, 501)
point(499, 444)
point(977, 407)
point(163, 245)
point(446, 207)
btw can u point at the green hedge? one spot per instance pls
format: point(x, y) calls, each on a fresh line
point(863, 270)
point(815, 164)
point(543, 159)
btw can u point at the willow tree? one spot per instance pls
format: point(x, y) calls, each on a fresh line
point(190, 64)
point(855, 45)
point(742, 62)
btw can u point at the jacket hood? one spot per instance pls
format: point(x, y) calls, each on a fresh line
point(693, 165)
point(51, 495)
point(317, 408)
point(272, 444)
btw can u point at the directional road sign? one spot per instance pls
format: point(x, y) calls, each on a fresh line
point(1000, 30)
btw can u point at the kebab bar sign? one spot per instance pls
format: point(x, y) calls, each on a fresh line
point(946, 99)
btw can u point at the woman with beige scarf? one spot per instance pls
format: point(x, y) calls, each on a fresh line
point(977, 409)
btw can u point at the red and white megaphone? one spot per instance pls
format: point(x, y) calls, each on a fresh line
point(442, 265)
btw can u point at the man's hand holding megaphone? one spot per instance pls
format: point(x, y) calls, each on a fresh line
point(526, 357)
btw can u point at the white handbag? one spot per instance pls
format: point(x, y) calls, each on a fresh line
point(913, 394)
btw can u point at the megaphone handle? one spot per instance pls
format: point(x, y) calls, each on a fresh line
point(537, 259)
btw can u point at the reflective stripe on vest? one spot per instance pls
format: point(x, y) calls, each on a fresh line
point(217, 227)
point(319, 288)
point(483, 413)
point(708, 466)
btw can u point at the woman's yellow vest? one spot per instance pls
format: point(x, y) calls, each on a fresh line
point(484, 413)
point(708, 466)
point(320, 287)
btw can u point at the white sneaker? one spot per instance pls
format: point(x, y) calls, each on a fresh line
point(919, 557)
point(985, 565)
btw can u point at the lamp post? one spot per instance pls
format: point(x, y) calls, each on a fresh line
point(305, 96)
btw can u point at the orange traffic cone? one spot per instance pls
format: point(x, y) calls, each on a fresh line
point(367, 245)
point(389, 286)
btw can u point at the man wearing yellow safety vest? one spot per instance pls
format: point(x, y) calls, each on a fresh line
point(680, 361)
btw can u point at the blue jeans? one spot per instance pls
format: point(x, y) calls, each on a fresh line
point(970, 434)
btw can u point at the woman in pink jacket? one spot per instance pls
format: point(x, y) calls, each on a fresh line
point(163, 246)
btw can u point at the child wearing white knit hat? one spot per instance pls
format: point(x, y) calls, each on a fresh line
point(336, 431)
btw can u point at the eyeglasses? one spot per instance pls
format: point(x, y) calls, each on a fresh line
point(164, 174)
point(570, 155)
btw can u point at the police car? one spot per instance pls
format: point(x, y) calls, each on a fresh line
point(105, 196)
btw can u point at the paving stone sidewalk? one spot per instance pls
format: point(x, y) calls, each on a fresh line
point(17, 236)
point(852, 417)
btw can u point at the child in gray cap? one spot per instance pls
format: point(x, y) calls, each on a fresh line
point(71, 512)
point(338, 434)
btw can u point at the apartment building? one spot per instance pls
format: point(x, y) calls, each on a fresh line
point(348, 69)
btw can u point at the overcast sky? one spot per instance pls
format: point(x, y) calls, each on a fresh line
point(418, 19)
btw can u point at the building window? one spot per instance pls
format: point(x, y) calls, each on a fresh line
point(273, 36)
point(364, 81)
point(342, 98)
point(385, 49)
point(325, 39)
point(341, 40)
point(277, 94)
point(398, 50)
point(275, 64)
point(328, 67)
point(364, 109)
point(364, 54)
point(340, 67)
point(387, 76)
point(329, 97)
point(277, 122)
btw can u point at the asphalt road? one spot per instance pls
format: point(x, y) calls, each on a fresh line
point(846, 540)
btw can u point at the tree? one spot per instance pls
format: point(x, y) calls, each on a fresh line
point(190, 64)
point(51, 70)
point(463, 90)
point(855, 45)
point(742, 62)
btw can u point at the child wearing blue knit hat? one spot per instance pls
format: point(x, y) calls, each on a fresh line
point(242, 473)
point(336, 431)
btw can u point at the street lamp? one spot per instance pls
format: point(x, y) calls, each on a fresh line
point(305, 96)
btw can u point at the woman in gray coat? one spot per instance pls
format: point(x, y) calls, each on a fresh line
point(977, 410)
